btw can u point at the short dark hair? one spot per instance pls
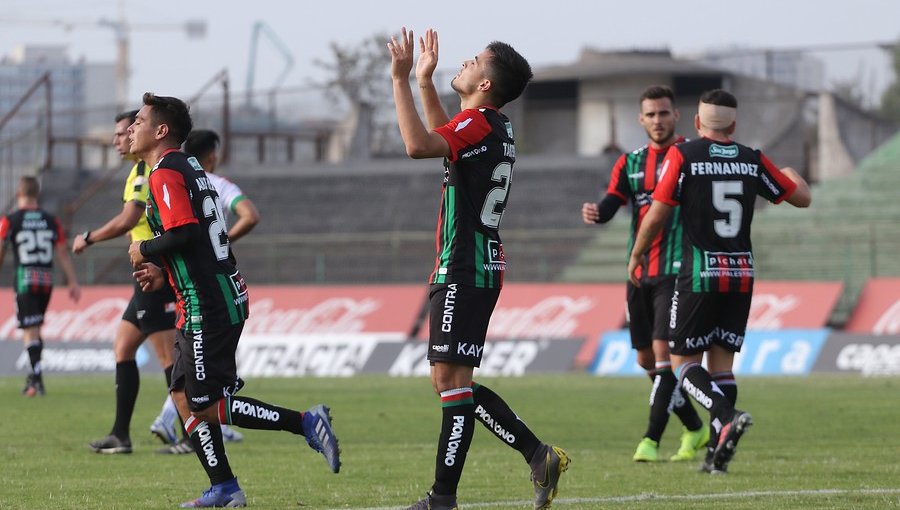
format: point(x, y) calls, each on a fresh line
point(172, 112)
point(201, 142)
point(508, 71)
point(30, 186)
point(129, 116)
point(719, 97)
point(657, 92)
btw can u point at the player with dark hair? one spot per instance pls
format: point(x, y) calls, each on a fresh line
point(633, 178)
point(190, 242)
point(34, 236)
point(479, 150)
point(203, 144)
point(715, 180)
point(148, 315)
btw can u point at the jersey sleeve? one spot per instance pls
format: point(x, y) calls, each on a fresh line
point(136, 186)
point(467, 128)
point(618, 182)
point(775, 185)
point(171, 197)
point(230, 194)
point(4, 228)
point(668, 188)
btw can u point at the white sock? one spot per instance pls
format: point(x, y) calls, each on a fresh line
point(169, 413)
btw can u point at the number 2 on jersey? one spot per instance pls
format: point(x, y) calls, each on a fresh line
point(489, 215)
point(35, 246)
point(212, 210)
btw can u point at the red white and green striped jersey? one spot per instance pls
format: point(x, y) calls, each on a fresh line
point(716, 184)
point(477, 178)
point(211, 293)
point(33, 235)
point(634, 177)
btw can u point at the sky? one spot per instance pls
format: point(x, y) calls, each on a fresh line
point(546, 32)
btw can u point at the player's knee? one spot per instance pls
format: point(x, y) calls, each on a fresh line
point(209, 415)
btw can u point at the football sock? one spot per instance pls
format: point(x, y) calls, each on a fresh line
point(210, 449)
point(728, 385)
point(494, 413)
point(664, 384)
point(35, 347)
point(457, 428)
point(682, 407)
point(697, 382)
point(250, 413)
point(128, 382)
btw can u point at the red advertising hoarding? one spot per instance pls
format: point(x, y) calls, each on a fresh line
point(792, 304)
point(878, 308)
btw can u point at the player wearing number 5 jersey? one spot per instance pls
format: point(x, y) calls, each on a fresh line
point(479, 151)
point(716, 182)
point(34, 236)
point(184, 213)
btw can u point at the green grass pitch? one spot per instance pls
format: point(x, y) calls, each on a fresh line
point(818, 442)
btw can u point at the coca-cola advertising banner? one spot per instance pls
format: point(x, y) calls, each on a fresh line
point(524, 311)
point(878, 308)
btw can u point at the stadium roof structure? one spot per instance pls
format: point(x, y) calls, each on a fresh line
point(597, 64)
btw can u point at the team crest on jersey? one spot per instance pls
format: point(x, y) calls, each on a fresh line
point(194, 164)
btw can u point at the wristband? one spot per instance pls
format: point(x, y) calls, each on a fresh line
point(87, 237)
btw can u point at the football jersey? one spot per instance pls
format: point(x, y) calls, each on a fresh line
point(229, 194)
point(716, 184)
point(210, 291)
point(477, 178)
point(32, 234)
point(136, 190)
point(633, 179)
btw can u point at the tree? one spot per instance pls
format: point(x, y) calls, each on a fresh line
point(890, 100)
point(358, 76)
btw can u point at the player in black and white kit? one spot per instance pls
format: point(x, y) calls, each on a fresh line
point(716, 182)
point(191, 243)
point(34, 236)
point(479, 151)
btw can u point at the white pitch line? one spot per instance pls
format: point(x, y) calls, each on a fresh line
point(676, 497)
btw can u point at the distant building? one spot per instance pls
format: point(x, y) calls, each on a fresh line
point(82, 101)
point(794, 69)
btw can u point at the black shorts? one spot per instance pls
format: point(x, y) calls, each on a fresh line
point(703, 319)
point(204, 366)
point(31, 307)
point(458, 323)
point(648, 310)
point(151, 311)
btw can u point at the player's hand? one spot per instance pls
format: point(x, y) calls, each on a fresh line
point(428, 55)
point(634, 263)
point(74, 292)
point(401, 55)
point(590, 213)
point(134, 252)
point(79, 244)
point(150, 277)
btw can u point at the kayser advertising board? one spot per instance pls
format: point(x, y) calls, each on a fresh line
point(343, 330)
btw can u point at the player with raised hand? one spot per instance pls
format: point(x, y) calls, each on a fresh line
point(479, 151)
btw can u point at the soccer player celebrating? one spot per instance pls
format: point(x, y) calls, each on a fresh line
point(716, 181)
point(190, 241)
point(34, 236)
point(479, 150)
point(634, 178)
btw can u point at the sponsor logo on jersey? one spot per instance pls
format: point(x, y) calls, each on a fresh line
point(166, 196)
point(194, 164)
point(462, 125)
point(723, 151)
point(474, 152)
point(455, 437)
point(441, 348)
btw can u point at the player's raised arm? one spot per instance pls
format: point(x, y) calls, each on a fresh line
point(420, 142)
point(435, 115)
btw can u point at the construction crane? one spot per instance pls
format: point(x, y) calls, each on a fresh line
point(122, 28)
point(262, 28)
